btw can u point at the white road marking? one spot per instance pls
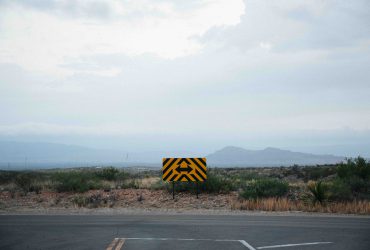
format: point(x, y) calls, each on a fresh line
point(293, 245)
point(120, 244)
point(112, 244)
point(247, 245)
point(243, 242)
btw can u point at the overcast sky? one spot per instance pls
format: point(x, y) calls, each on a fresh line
point(187, 75)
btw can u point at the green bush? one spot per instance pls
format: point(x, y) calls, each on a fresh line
point(262, 188)
point(133, 183)
point(356, 174)
point(358, 167)
point(108, 174)
point(214, 184)
point(24, 181)
point(159, 185)
point(339, 191)
point(316, 173)
point(80, 181)
point(7, 176)
point(358, 185)
point(217, 184)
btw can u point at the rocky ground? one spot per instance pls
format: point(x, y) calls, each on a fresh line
point(140, 199)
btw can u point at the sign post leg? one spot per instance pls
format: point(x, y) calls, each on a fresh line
point(197, 190)
point(173, 190)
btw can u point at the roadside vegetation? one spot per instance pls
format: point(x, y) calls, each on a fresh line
point(341, 188)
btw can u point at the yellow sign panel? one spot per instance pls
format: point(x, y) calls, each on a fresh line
point(184, 169)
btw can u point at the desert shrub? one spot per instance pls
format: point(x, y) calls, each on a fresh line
point(261, 188)
point(132, 183)
point(317, 191)
point(338, 190)
point(108, 174)
point(24, 181)
point(356, 174)
point(158, 185)
point(216, 184)
point(94, 200)
point(316, 173)
point(358, 185)
point(35, 187)
point(74, 181)
point(122, 175)
point(7, 176)
point(358, 167)
point(79, 200)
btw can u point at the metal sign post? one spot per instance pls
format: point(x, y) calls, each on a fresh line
point(197, 190)
point(173, 190)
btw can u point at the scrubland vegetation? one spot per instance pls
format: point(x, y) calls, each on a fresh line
point(341, 188)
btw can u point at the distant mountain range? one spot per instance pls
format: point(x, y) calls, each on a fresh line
point(235, 156)
point(31, 155)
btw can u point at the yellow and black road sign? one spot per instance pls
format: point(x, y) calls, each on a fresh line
point(184, 169)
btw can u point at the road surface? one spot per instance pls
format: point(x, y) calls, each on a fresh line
point(215, 232)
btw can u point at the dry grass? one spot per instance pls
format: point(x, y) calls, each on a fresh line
point(148, 182)
point(283, 204)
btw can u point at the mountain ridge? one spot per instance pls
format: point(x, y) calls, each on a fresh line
point(270, 156)
point(44, 153)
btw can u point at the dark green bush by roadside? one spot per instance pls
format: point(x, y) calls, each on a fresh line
point(354, 167)
point(80, 181)
point(355, 174)
point(263, 188)
point(339, 191)
point(108, 174)
point(214, 184)
point(24, 181)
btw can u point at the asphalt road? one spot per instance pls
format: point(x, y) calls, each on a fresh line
point(164, 232)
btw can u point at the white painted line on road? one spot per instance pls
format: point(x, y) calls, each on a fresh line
point(120, 244)
point(247, 245)
point(112, 244)
point(243, 242)
point(294, 245)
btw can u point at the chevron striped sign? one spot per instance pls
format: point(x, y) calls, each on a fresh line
point(184, 169)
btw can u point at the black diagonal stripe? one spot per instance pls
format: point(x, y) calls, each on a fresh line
point(174, 177)
point(169, 165)
point(187, 161)
point(181, 160)
point(196, 178)
point(203, 162)
point(199, 174)
point(167, 175)
point(199, 167)
point(165, 161)
point(186, 177)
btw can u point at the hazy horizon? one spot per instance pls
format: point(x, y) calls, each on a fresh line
point(187, 76)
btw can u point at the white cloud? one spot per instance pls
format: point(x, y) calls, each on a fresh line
point(191, 67)
point(265, 45)
point(40, 40)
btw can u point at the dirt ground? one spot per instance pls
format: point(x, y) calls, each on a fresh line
point(142, 199)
